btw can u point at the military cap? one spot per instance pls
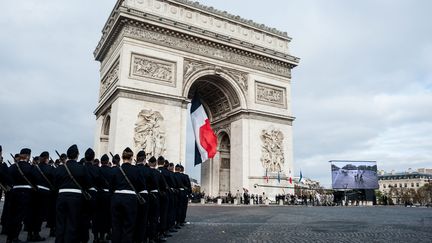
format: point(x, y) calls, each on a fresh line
point(89, 154)
point(25, 151)
point(116, 158)
point(104, 158)
point(141, 154)
point(72, 152)
point(44, 154)
point(152, 160)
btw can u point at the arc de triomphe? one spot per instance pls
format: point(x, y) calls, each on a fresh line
point(155, 54)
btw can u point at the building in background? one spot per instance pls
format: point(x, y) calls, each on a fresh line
point(406, 187)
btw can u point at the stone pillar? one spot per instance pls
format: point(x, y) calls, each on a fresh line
point(239, 172)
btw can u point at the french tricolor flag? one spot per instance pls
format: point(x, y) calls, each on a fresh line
point(206, 140)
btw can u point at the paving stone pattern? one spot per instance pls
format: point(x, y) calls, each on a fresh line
point(212, 223)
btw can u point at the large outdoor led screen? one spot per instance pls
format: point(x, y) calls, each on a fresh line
point(354, 174)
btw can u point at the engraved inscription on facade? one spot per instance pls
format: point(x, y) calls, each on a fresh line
point(272, 157)
point(150, 133)
point(153, 69)
point(270, 94)
point(110, 78)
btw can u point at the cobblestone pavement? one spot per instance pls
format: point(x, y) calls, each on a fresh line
point(212, 223)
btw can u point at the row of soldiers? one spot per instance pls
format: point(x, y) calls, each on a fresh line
point(138, 201)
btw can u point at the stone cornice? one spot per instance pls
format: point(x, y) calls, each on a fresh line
point(126, 27)
point(139, 94)
point(232, 17)
point(111, 30)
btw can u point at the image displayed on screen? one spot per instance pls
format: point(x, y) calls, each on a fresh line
point(354, 175)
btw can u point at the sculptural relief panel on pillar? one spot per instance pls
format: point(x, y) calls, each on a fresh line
point(109, 79)
point(149, 133)
point(272, 152)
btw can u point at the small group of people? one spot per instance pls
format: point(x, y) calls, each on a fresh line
point(311, 199)
point(128, 199)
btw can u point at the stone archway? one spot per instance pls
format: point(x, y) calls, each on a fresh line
point(221, 97)
point(155, 54)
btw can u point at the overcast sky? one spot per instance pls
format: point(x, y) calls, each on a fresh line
point(362, 91)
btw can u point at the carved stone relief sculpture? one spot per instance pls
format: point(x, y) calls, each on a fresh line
point(149, 133)
point(270, 95)
point(110, 78)
point(152, 68)
point(272, 157)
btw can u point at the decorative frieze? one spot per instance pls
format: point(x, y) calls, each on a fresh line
point(153, 69)
point(272, 154)
point(212, 20)
point(149, 133)
point(270, 95)
point(204, 48)
point(110, 78)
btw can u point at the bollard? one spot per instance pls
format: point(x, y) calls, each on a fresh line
point(267, 202)
point(251, 202)
point(202, 201)
point(281, 203)
point(235, 201)
point(219, 201)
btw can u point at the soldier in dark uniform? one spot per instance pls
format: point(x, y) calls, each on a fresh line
point(188, 191)
point(172, 194)
point(181, 194)
point(23, 183)
point(142, 219)
point(103, 201)
point(43, 174)
point(177, 197)
point(164, 197)
point(5, 182)
point(124, 202)
point(70, 199)
point(7, 202)
point(154, 201)
point(89, 208)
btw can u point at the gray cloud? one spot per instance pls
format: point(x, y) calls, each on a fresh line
point(363, 89)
